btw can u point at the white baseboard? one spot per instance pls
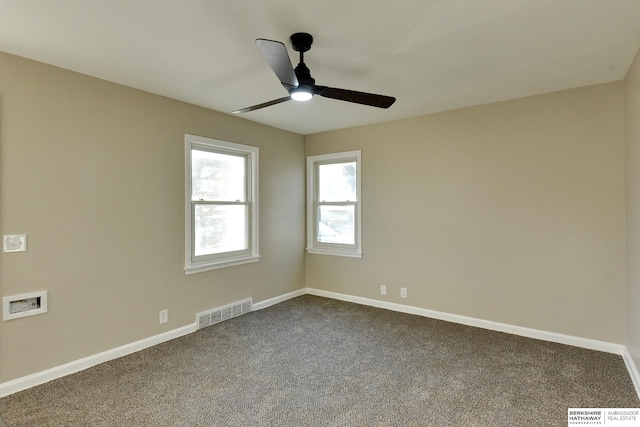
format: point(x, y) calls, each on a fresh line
point(479, 323)
point(632, 368)
point(277, 300)
point(587, 343)
point(42, 377)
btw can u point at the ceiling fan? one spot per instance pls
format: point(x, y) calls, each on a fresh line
point(299, 83)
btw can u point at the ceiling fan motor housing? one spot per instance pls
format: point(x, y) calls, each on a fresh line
point(304, 74)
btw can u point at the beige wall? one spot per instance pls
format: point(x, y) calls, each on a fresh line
point(511, 212)
point(632, 157)
point(93, 172)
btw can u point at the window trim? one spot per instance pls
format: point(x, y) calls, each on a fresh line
point(323, 248)
point(227, 259)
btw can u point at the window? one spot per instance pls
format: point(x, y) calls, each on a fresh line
point(221, 204)
point(333, 204)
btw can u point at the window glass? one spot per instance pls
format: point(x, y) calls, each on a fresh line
point(337, 182)
point(219, 228)
point(217, 177)
point(336, 224)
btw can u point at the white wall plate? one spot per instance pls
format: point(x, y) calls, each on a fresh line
point(14, 243)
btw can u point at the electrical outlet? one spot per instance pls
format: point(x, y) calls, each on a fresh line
point(383, 289)
point(403, 292)
point(164, 316)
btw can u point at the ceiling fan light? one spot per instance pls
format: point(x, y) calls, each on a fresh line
point(301, 95)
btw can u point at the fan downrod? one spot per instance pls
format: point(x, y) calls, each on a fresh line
point(301, 42)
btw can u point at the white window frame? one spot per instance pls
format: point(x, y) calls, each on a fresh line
point(199, 264)
point(323, 248)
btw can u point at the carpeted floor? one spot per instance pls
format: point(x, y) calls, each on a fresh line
point(313, 361)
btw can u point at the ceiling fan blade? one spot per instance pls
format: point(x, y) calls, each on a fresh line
point(264, 104)
point(278, 59)
point(380, 101)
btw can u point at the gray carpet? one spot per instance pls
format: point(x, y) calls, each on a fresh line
point(313, 361)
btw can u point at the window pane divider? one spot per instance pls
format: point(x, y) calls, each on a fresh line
point(347, 203)
point(209, 202)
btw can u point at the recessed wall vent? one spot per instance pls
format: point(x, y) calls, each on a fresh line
point(217, 315)
point(17, 306)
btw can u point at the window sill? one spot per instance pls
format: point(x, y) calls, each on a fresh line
point(335, 252)
point(199, 268)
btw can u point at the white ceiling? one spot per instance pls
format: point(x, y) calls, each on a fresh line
point(432, 55)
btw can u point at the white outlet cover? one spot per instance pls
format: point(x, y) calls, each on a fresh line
point(14, 243)
point(164, 316)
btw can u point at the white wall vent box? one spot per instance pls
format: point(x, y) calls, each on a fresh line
point(23, 305)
